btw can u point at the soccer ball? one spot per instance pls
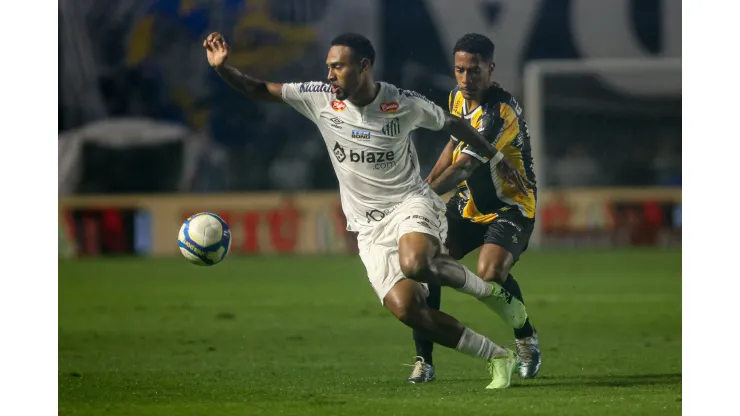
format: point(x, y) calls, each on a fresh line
point(204, 239)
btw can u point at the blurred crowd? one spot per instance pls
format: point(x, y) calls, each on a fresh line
point(271, 147)
point(144, 59)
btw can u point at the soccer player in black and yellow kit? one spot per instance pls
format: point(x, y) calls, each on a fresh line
point(485, 212)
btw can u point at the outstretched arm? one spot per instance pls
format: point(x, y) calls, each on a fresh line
point(217, 51)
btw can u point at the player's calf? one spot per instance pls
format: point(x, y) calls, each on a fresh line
point(493, 272)
point(424, 346)
point(421, 260)
point(423, 367)
point(494, 264)
point(405, 301)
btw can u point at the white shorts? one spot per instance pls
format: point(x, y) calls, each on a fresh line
point(379, 245)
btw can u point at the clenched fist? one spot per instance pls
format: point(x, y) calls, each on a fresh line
point(217, 50)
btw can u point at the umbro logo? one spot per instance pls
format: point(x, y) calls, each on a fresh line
point(336, 122)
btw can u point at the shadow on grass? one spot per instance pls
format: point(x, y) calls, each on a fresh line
point(624, 380)
point(628, 380)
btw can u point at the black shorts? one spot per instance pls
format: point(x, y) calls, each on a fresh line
point(510, 230)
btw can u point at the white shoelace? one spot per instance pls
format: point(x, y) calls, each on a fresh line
point(523, 349)
point(418, 367)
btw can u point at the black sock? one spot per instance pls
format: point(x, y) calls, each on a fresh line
point(512, 287)
point(424, 347)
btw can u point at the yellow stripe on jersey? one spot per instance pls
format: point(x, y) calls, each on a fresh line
point(511, 126)
point(510, 193)
point(471, 212)
point(456, 102)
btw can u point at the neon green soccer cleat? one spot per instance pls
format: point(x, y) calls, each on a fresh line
point(501, 369)
point(509, 308)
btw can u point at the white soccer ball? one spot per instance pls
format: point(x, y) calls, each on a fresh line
point(204, 239)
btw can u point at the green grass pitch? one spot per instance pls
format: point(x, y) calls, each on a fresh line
point(307, 336)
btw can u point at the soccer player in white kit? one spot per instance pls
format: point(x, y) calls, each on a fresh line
point(399, 221)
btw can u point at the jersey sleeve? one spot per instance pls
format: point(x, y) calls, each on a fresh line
point(499, 129)
point(427, 115)
point(308, 98)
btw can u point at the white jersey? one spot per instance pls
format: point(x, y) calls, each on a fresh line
point(370, 148)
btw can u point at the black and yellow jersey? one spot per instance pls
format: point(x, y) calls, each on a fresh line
point(499, 118)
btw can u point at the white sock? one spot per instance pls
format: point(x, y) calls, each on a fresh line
point(474, 285)
point(476, 345)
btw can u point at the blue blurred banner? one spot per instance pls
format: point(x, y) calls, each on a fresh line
point(142, 232)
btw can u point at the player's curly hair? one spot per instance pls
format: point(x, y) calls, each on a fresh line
point(361, 46)
point(477, 44)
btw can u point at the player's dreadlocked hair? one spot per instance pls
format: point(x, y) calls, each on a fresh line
point(477, 44)
point(360, 45)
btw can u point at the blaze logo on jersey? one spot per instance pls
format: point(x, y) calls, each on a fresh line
point(378, 160)
point(392, 127)
point(389, 107)
point(338, 105)
point(339, 153)
point(381, 159)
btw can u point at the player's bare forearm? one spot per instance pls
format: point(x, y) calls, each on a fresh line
point(254, 88)
point(217, 53)
point(463, 131)
point(455, 173)
point(444, 161)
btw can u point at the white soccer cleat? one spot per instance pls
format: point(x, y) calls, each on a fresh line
point(422, 372)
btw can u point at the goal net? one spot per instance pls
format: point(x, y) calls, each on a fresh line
point(606, 140)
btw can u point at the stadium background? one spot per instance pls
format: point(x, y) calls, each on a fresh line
point(148, 134)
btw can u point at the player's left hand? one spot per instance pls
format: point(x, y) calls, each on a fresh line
point(511, 175)
point(217, 50)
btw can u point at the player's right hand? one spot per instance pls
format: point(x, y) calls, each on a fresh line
point(511, 175)
point(217, 50)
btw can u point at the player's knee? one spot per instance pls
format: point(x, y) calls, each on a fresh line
point(409, 314)
point(416, 266)
point(493, 272)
